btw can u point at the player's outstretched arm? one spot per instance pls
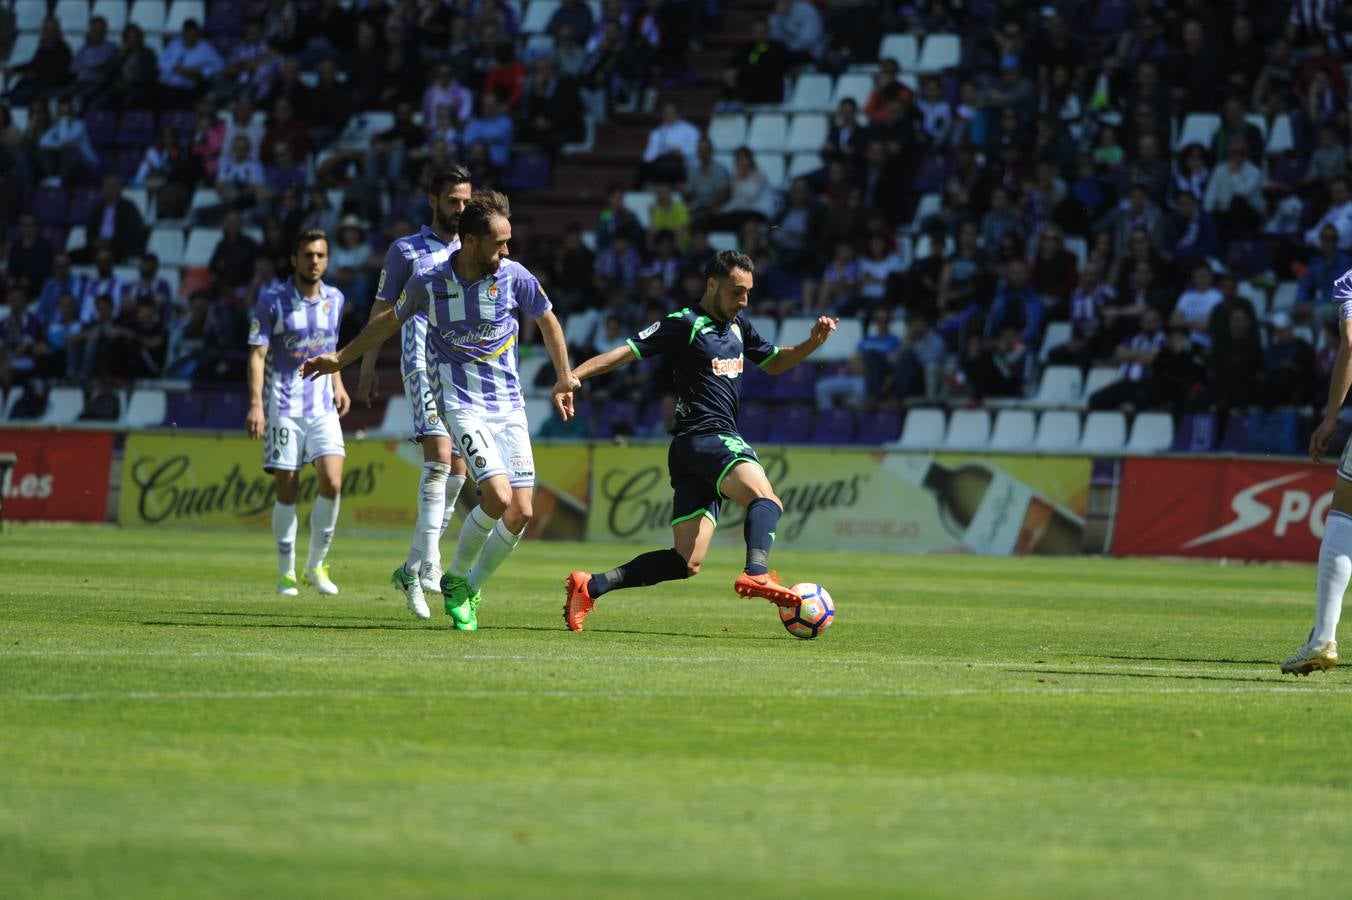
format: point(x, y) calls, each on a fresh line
point(788, 357)
point(254, 420)
point(368, 385)
point(1340, 382)
point(557, 347)
point(376, 332)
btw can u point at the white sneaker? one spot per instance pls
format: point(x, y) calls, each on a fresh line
point(1312, 658)
point(430, 576)
point(413, 592)
point(319, 577)
point(286, 585)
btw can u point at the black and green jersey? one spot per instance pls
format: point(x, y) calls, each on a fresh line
point(706, 359)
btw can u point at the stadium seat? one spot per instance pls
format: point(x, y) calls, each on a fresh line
point(798, 383)
point(1057, 430)
point(1284, 297)
point(879, 427)
point(1099, 377)
point(1078, 246)
point(1281, 139)
point(854, 85)
point(73, 16)
point(145, 409)
point(205, 198)
point(795, 329)
point(771, 165)
point(1257, 120)
point(1151, 433)
point(924, 428)
point(7, 401)
point(82, 203)
point(64, 405)
point(75, 238)
point(1014, 430)
point(579, 328)
point(398, 420)
point(903, 48)
point(1255, 295)
point(1060, 386)
point(20, 113)
point(140, 199)
point(766, 326)
point(527, 368)
point(167, 244)
point(101, 126)
point(114, 13)
point(136, 128)
point(811, 93)
point(807, 133)
point(844, 343)
point(803, 164)
point(968, 428)
point(537, 16)
point(939, 52)
point(1198, 128)
point(723, 240)
point(50, 205)
point(922, 246)
point(727, 133)
point(754, 422)
point(1057, 334)
point(1104, 431)
point(538, 412)
point(20, 53)
point(28, 16)
point(928, 205)
point(149, 14)
point(791, 424)
point(768, 131)
point(200, 245)
point(834, 426)
point(640, 203)
point(181, 11)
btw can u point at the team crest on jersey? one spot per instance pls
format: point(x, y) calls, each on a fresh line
point(255, 329)
point(649, 331)
point(737, 330)
point(431, 418)
point(380, 285)
point(728, 368)
point(493, 290)
point(480, 462)
point(327, 307)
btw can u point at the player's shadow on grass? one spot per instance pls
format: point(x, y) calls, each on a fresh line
point(319, 626)
point(1188, 659)
point(295, 616)
point(683, 634)
point(1173, 677)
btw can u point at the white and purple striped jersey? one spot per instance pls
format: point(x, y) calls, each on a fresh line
point(472, 328)
point(294, 328)
point(1342, 295)
point(412, 255)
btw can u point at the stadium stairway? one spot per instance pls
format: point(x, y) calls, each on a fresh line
point(578, 186)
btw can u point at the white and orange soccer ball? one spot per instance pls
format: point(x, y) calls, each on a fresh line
point(813, 616)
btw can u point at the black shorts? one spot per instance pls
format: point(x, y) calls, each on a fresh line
point(698, 463)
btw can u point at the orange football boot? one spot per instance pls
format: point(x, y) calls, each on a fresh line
point(579, 602)
point(768, 587)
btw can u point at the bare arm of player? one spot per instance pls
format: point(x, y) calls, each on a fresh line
point(340, 398)
point(368, 385)
point(1340, 382)
point(254, 420)
point(557, 347)
point(376, 332)
point(788, 357)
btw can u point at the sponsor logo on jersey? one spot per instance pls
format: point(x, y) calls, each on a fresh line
point(524, 463)
point(649, 331)
point(728, 368)
point(737, 330)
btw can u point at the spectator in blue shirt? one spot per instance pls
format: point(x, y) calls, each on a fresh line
point(61, 281)
point(1192, 232)
point(493, 127)
point(1316, 288)
point(187, 65)
point(1017, 306)
point(95, 64)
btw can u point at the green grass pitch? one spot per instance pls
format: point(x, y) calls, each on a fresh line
point(968, 728)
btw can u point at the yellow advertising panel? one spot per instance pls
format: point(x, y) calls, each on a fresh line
point(562, 487)
point(866, 500)
point(188, 482)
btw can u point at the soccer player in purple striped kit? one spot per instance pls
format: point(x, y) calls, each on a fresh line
point(443, 471)
point(470, 302)
point(298, 418)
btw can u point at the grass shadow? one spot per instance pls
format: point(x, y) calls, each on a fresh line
point(1166, 675)
point(311, 625)
point(1187, 659)
point(264, 615)
point(681, 634)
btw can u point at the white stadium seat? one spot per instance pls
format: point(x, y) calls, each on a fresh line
point(75, 238)
point(968, 428)
point(1057, 334)
point(167, 244)
point(843, 344)
point(1198, 128)
point(939, 52)
point(801, 164)
point(1100, 377)
point(398, 416)
point(1284, 297)
point(811, 93)
point(64, 405)
point(181, 11)
point(539, 410)
point(768, 131)
point(73, 16)
point(640, 204)
point(1014, 430)
point(922, 246)
point(854, 85)
point(140, 199)
point(807, 133)
point(723, 240)
point(1255, 295)
point(149, 14)
point(795, 329)
point(924, 428)
point(538, 15)
point(928, 205)
point(1281, 139)
point(1060, 386)
point(1057, 430)
point(1151, 433)
point(579, 328)
point(145, 409)
point(727, 132)
point(772, 167)
point(1079, 247)
point(201, 244)
point(28, 16)
point(114, 12)
point(1104, 431)
point(903, 48)
point(766, 326)
point(25, 45)
point(1257, 120)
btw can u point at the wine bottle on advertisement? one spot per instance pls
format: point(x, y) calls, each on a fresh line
point(991, 512)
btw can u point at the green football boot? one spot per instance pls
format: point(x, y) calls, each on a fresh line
point(460, 605)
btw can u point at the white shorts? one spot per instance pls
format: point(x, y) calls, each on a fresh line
point(423, 398)
point(494, 444)
point(291, 441)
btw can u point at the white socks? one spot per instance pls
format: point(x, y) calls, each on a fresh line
point(497, 548)
point(478, 526)
point(1335, 569)
point(284, 530)
point(323, 519)
point(454, 484)
point(431, 516)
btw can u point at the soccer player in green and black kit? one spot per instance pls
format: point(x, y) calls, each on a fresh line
point(708, 459)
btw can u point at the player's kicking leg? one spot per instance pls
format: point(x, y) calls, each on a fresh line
point(1320, 650)
point(323, 521)
point(746, 485)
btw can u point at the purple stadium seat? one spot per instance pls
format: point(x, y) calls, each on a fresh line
point(527, 172)
point(792, 424)
point(183, 120)
point(101, 124)
point(137, 128)
point(1288, 169)
point(878, 428)
point(184, 409)
point(799, 383)
point(754, 422)
point(223, 17)
point(126, 163)
point(1246, 258)
point(931, 175)
point(82, 201)
point(223, 409)
point(1112, 16)
point(835, 426)
point(55, 235)
point(612, 413)
point(1196, 434)
point(49, 205)
point(1236, 436)
point(756, 385)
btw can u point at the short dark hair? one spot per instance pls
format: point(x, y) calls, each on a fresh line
point(308, 236)
point(482, 208)
point(447, 176)
point(724, 261)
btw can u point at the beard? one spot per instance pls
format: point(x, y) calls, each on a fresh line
point(443, 224)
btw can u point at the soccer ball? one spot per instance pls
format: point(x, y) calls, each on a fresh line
point(813, 616)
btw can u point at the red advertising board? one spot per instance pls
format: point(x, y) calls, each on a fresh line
point(59, 476)
point(1247, 509)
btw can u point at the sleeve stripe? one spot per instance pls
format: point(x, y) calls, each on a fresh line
point(634, 348)
point(765, 362)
